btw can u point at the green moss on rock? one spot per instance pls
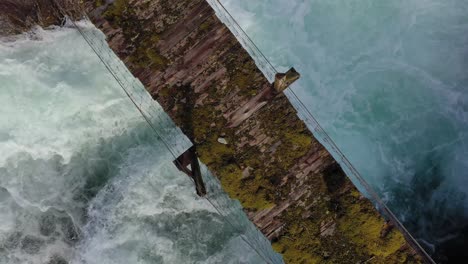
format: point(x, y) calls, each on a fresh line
point(243, 78)
point(99, 3)
point(115, 11)
point(362, 225)
point(355, 237)
point(140, 34)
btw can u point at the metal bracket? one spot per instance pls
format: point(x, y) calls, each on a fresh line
point(189, 157)
point(284, 80)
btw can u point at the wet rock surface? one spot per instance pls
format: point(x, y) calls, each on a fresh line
point(18, 16)
point(289, 185)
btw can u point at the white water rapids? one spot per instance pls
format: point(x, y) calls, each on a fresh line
point(83, 178)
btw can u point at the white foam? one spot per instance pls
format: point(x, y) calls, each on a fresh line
point(81, 174)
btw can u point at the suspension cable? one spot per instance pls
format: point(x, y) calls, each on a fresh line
point(318, 128)
point(158, 135)
point(328, 139)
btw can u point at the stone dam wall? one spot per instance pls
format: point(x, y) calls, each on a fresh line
point(289, 185)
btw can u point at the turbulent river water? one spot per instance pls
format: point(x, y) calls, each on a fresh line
point(82, 177)
point(388, 80)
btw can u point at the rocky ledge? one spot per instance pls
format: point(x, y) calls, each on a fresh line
point(289, 185)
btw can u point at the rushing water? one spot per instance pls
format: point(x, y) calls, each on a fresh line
point(83, 178)
point(388, 80)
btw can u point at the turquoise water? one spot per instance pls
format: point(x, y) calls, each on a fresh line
point(83, 179)
point(388, 80)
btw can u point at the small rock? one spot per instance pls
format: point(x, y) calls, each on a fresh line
point(327, 228)
point(275, 146)
point(222, 141)
point(246, 173)
point(386, 229)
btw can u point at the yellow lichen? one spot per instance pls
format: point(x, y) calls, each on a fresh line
point(357, 225)
point(248, 192)
point(363, 227)
point(205, 25)
point(99, 3)
point(146, 54)
point(301, 242)
point(114, 12)
point(157, 61)
point(243, 79)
